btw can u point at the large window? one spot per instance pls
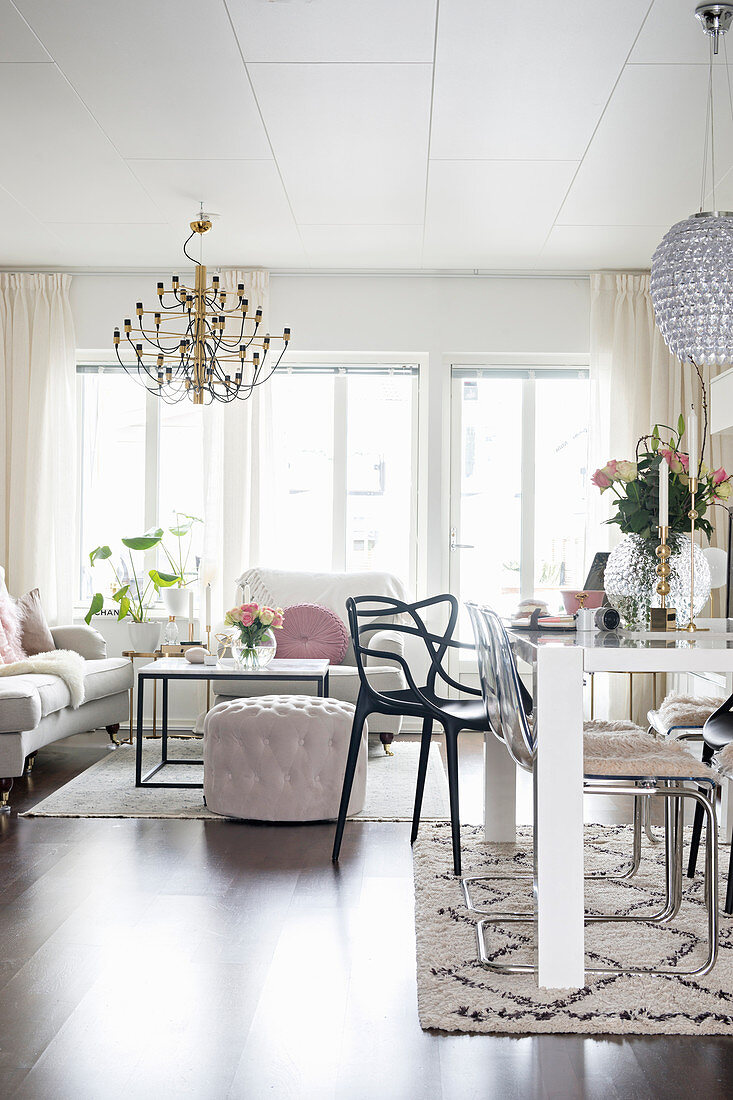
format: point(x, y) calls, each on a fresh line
point(343, 457)
point(519, 483)
point(347, 468)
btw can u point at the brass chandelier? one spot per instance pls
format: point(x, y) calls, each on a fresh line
point(215, 352)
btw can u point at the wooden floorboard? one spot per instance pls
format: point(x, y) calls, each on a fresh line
point(157, 958)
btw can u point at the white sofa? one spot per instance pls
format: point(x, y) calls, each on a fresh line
point(35, 709)
point(282, 588)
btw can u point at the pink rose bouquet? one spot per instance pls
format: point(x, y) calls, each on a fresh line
point(635, 486)
point(253, 622)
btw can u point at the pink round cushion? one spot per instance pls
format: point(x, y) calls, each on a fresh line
point(311, 631)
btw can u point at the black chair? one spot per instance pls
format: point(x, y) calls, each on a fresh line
point(368, 614)
point(716, 734)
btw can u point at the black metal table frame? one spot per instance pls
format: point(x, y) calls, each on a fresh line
point(320, 679)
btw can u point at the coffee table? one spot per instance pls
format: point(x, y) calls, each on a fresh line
point(178, 668)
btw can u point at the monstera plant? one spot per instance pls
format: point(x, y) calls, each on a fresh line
point(136, 590)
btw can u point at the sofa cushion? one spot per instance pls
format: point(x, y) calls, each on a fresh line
point(35, 634)
point(312, 632)
point(25, 700)
point(106, 677)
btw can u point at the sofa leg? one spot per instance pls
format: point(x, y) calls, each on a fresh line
point(113, 731)
point(5, 788)
point(387, 739)
point(29, 762)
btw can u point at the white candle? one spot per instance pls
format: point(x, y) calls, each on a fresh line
point(692, 442)
point(664, 493)
point(240, 596)
point(190, 605)
point(247, 594)
point(207, 624)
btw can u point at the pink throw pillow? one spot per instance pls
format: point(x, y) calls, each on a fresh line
point(312, 632)
point(10, 631)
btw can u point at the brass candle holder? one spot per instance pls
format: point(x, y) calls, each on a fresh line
point(663, 617)
point(693, 514)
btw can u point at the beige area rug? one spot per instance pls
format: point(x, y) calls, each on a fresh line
point(455, 993)
point(107, 789)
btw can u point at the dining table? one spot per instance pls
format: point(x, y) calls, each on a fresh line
point(560, 663)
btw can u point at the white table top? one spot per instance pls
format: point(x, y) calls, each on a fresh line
point(708, 650)
point(280, 668)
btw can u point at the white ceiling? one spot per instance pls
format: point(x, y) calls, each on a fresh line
point(357, 134)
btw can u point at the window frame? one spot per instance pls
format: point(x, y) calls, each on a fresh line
point(308, 361)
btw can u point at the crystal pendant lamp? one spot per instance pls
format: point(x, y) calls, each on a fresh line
point(691, 280)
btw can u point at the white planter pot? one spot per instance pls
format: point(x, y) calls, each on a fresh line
point(144, 637)
point(175, 601)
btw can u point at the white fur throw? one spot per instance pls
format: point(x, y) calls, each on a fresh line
point(638, 754)
point(64, 663)
point(687, 710)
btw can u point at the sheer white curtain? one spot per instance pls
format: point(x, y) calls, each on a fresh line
point(636, 383)
point(38, 442)
point(238, 479)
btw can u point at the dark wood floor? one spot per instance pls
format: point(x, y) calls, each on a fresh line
point(166, 959)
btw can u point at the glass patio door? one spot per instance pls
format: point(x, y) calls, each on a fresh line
point(518, 485)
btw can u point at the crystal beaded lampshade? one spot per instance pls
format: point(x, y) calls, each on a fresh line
point(691, 288)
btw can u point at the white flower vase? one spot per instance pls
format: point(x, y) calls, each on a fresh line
point(144, 637)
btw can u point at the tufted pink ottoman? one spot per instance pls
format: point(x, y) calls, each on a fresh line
point(280, 758)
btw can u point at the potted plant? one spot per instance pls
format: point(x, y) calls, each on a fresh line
point(175, 596)
point(134, 590)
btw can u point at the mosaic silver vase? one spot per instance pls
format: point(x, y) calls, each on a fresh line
point(631, 580)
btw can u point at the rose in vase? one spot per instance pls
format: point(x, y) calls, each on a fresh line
point(253, 641)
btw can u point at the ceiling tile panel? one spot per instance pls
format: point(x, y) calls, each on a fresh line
point(164, 79)
point(62, 167)
point(351, 140)
point(595, 247)
point(490, 214)
point(528, 81)
point(25, 240)
point(17, 40)
point(363, 246)
point(256, 226)
point(644, 164)
point(335, 30)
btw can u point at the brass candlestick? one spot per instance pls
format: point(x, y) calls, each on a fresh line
point(663, 617)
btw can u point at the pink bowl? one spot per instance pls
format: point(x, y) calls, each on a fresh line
point(570, 599)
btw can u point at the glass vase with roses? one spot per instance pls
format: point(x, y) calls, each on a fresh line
point(630, 577)
point(252, 636)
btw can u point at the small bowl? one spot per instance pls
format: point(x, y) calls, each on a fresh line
point(594, 598)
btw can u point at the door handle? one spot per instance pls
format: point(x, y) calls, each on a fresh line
point(459, 545)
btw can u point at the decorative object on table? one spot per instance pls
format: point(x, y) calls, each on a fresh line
point(528, 612)
point(630, 573)
point(691, 281)
point(607, 619)
point(196, 654)
point(591, 598)
point(192, 357)
point(310, 630)
point(585, 617)
point(252, 638)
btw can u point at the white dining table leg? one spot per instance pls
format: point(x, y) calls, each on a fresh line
point(559, 817)
point(500, 792)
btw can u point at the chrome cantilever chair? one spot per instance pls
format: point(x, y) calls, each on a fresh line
point(615, 764)
point(424, 702)
point(717, 735)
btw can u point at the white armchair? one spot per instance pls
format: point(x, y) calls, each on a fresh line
point(282, 588)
